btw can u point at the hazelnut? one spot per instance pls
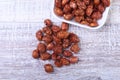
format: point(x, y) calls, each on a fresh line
point(75, 48)
point(41, 47)
point(81, 4)
point(66, 43)
point(74, 59)
point(67, 53)
point(54, 56)
point(48, 22)
point(58, 63)
point(106, 2)
point(55, 28)
point(48, 68)
point(68, 16)
point(45, 56)
point(67, 8)
point(50, 46)
point(47, 30)
point(35, 54)
point(58, 11)
point(58, 3)
point(62, 34)
point(79, 12)
point(93, 24)
point(47, 38)
point(64, 2)
point(39, 35)
point(89, 10)
point(58, 49)
point(65, 26)
point(101, 8)
point(73, 4)
point(65, 61)
point(78, 18)
point(73, 38)
point(96, 15)
point(84, 22)
point(87, 2)
point(96, 2)
point(57, 40)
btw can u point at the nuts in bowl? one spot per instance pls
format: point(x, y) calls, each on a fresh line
point(90, 14)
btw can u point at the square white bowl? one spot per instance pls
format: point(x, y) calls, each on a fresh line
point(101, 21)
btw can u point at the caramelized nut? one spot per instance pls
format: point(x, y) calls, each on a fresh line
point(47, 30)
point(73, 38)
point(48, 22)
point(50, 46)
point(45, 56)
point(48, 68)
point(66, 43)
point(58, 11)
point(67, 53)
point(68, 16)
point(65, 26)
point(58, 63)
point(41, 47)
point(75, 48)
point(58, 49)
point(65, 61)
point(47, 38)
point(55, 28)
point(39, 35)
point(35, 54)
point(96, 2)
point(58, 3)
point(74, 59)
point(62, 34)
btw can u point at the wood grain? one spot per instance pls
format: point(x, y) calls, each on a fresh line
point(20, 19)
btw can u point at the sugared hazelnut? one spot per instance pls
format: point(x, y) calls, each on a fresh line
point(48, 68)
point(67, 53)
point(65, 61)
point(64, 26)
point(35, 54)
point(48, 22)
point(45, 56)
point(39, 35)
point(75, 48)
point(41, 47)
point(74, 59)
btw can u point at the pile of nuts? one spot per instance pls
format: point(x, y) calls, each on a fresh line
point(56, 44)
point(85, 12)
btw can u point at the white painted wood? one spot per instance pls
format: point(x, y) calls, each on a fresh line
point(20, 19)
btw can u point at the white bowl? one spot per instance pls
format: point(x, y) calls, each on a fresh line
point(101, 21)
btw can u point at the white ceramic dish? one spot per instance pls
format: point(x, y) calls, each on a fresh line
point(101, 22)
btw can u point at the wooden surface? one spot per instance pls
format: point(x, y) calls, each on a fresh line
point(20, 19)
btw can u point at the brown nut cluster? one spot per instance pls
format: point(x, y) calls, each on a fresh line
point(57, 44)
point(86, 12)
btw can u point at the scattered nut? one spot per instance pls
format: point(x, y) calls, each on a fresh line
point(75, 48)
point(58, 63)
point(64, 26)
point(48, 22)
point(58, 40)
point(74, 59)
point(35, 54)
point(62, 34)
point(65, 61)
point(67, 53)
point(48, 68)
point(41, 47)
point(45, 56)
point(39, 35)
